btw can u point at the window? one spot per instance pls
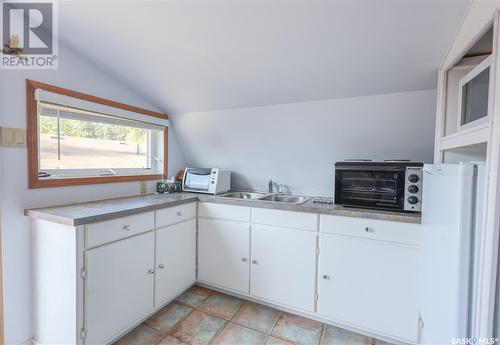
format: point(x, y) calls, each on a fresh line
point(75, 143)
point(81, 139)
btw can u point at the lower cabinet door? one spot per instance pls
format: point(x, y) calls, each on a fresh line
point(118, 287)
point(283, 266)
point(369, 284)
point(175, 259)
point(223, 253)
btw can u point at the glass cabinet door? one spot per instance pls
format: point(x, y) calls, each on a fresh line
point(475, 98)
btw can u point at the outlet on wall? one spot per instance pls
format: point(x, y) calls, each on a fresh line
point(142, 187)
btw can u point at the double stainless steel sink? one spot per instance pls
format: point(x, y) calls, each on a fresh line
point(281, 198)
point(244, 195)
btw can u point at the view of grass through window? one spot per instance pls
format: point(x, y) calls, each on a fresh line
point(91, 145)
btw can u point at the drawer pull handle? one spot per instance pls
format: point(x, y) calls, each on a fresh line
point(179, 214)
point(368, 229)
point(161, 266)
point(326, 277)
point(244, 259)
point(255, 262)
point(127, 227)
point(151, 271)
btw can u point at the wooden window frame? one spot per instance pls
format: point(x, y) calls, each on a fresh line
point(32, 139)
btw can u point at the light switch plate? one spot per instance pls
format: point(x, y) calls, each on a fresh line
point(13, 137)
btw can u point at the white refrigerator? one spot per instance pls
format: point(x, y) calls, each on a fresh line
point(452, 199)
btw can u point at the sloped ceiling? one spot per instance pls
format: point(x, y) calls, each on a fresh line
point(199, 56)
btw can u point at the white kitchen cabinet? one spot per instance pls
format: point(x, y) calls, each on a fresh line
point(283, 266)
point(369, 284)
point(93, 282)
point(369, 266)
point(223, 253)
point(175, 260)
point(118, 286)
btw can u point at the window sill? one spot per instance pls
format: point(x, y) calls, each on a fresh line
point(77, 181)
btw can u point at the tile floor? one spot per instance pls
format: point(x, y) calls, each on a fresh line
point(202, 316)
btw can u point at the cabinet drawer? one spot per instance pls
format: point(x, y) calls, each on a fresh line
point(371, 228)
point(115, 229)
point(231, 212)
point(175, 214)
point(287, 219)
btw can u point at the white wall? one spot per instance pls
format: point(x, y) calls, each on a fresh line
point(297, 144)
point(73, 73)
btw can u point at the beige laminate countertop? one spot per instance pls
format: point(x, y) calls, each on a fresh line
point(96, 211)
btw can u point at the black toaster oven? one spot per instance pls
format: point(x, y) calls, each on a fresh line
point(391, 186)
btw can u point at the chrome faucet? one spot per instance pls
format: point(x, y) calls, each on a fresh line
point(280, 187)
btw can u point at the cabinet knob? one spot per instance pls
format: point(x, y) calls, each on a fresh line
point(127, 227)
point(368, 229)
point(151, 271)
point(255, 262)
point(179, 213)
point(161, 266)
point(244, 259)
point(326, 277)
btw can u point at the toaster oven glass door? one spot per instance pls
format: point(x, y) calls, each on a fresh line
point(197, 180)
point(370, 188)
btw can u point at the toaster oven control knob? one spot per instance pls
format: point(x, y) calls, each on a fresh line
point(413, 189)
point(413, 178)
point(412, 200)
